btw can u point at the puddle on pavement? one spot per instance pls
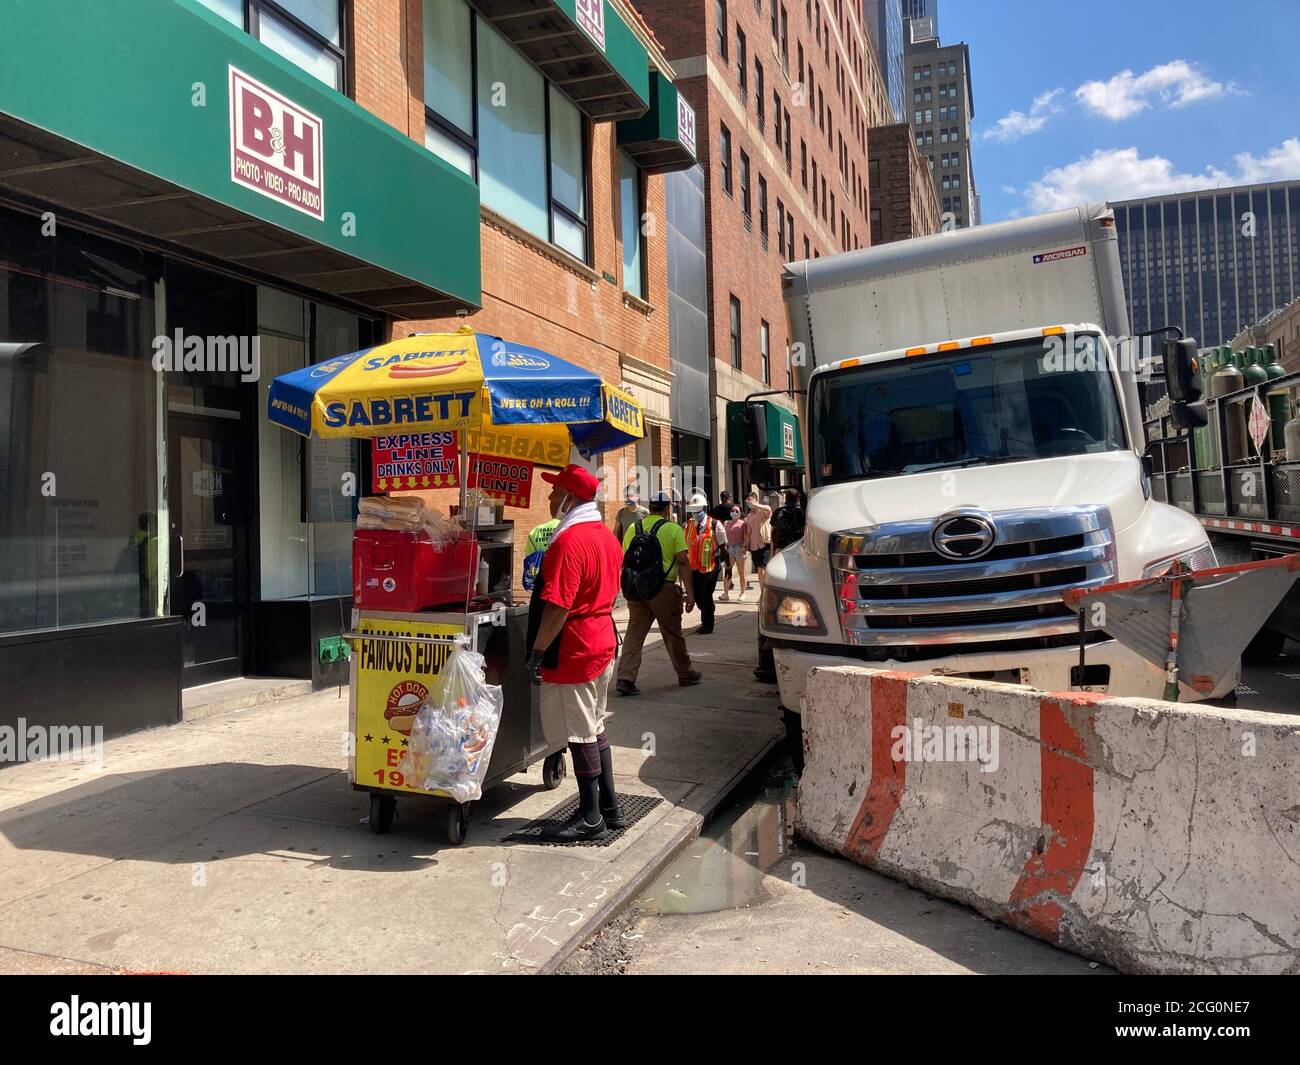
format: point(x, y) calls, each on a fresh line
point(726, 867)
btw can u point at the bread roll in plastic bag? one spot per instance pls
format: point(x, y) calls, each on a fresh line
point(455, 730)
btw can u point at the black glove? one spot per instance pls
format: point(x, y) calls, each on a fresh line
point(533, 665)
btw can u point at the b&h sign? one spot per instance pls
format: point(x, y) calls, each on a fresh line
point(276, 147)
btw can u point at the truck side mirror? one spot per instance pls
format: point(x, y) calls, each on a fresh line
point(1183, 371)
point(1188, 415)
point(762, 473)
point(755, 425)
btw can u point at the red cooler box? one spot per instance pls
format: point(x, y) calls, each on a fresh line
point(402, 572)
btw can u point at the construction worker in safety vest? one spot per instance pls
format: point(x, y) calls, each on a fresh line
point(706, 546)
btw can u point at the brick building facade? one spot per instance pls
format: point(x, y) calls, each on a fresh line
point(786, 94)
point(903, 199)
point(533, 291)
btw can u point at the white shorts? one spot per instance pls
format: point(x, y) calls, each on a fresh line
point(577, 709)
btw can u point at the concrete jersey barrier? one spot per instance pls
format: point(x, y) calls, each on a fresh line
point(1157, 837)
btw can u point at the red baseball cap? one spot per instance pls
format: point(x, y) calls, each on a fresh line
point(575, 480)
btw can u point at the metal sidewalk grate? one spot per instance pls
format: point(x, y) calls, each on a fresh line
point(635, 807)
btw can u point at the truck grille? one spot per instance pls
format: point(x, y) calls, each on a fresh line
point(895, 587)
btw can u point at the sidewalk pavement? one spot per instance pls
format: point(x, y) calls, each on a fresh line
point(234, 843)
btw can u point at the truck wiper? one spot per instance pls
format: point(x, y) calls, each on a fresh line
point(976, 460)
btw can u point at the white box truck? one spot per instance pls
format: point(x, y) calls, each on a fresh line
point(974, 446)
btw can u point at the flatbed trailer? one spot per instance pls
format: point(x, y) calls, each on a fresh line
point(1250, 508)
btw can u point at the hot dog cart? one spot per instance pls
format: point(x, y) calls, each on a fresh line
point(462, 410)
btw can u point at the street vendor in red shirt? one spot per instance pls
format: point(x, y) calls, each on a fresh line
point(575, 645)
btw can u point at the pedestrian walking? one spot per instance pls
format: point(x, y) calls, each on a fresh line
point(757, 516)
point(656, 581)
point(737, 552)
point(572, 644)
point(629, 513)
point(723, 513)
point(706, 542)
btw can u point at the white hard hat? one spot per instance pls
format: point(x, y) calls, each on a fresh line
point(698, 502)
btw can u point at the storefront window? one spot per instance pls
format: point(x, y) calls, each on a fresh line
point(630, 195)
point(308, 33)
point(512, 133)
point(307, 489)
point(493, 116)
point(79, 432)
point(449, 83)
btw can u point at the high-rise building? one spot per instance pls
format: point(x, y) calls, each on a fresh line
point(1212, 262)
point(904, 203)
point(884, 20)
point(927, 9)
point(942, 105)
point(785, 94)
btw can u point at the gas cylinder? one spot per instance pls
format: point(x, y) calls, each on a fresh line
point(1279, 403)
point(1228, 379)
point(1253, 371)
point(1204, 440)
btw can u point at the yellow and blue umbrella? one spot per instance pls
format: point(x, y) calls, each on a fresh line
point(509, 399)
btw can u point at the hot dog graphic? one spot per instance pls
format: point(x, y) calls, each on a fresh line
point(406, 373)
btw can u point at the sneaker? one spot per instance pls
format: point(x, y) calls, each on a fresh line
point(725, 597)
point(613, 816)
point(702, 631)
point(693, 677)
point(574, 829)
point(626, 687)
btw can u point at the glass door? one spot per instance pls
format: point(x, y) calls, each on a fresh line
point(206, 540)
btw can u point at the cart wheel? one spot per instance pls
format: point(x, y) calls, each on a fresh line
point(457, 823)
point(554, 770)
point(382, 809)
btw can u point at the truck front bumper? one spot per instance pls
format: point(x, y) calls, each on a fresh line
point(1047, 670)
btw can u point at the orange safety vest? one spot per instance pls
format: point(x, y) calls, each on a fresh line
point(700, 545)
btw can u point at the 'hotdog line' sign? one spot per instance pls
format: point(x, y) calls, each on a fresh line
point(276, 147)
point(510, 480)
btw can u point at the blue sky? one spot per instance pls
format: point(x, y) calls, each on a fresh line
point(1211, 97)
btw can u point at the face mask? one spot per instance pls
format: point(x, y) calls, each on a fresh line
point(735, 515)
point(702, 518)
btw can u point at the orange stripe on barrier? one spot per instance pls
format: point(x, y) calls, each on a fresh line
point(1066, 796)
point(888, 777)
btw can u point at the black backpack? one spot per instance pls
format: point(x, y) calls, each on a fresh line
point(643, 564)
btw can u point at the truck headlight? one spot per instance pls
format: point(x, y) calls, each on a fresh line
point(1201, 558)
point(790, 611)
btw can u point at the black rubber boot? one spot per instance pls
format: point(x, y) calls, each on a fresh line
point(610, 808)
point(586, 823)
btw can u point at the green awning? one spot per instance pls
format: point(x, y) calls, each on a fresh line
point(157, 116)
point(776, 428)
point(583, 47)
point(663, 139)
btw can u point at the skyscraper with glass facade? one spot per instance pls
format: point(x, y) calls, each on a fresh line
point(884, 20)
point(1211, 262)
point(923, 9)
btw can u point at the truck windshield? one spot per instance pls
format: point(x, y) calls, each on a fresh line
point(974, 407)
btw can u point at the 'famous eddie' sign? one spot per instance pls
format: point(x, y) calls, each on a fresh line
point(276, 148)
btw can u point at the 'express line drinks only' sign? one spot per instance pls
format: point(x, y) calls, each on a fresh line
point(276, 148)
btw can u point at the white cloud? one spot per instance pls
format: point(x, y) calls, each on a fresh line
point(1016, 124)
point(1124, 174)
point(1174, 84)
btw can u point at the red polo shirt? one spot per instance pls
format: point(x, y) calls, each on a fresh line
point(580, 571)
